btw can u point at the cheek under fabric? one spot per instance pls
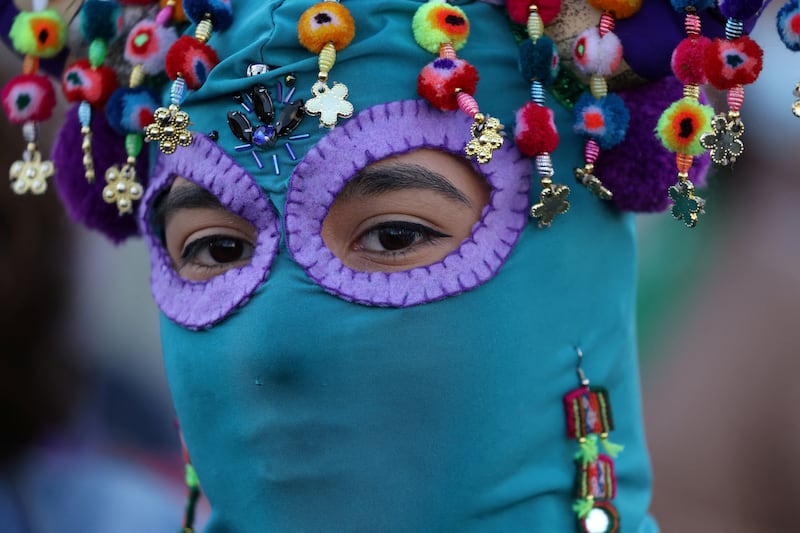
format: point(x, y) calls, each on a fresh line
point(201, 304)
point(375, 134)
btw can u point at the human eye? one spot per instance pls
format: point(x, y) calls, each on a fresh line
point(396, 237)
point(214, 253)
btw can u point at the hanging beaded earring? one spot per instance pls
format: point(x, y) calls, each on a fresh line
point(730, 64)
point(130, 109)
point(788, 23)
point(535, 131)
point(600, 116)
point(683, 123)
point(588, 415)
point(324, 29)
point(188, 64)
point(448, 82)
point(29, 98)
point(88, 82)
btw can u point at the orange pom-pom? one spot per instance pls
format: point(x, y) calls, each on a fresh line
point(323, 23)
point(620, 9)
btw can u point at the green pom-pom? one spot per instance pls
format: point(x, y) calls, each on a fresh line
point(582, 508)
point(682, 125)
point(39, 33)
point(588, 452)
point(436, 23)
point(97, 52)
point(613, 449)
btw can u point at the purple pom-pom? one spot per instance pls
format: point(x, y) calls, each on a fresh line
point(740, 9)
point(639, 170)
point(538, 60)
point(84, 201)
point(219, 11)
point(100, 19)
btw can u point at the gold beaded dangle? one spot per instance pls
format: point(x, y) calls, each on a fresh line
point(324, 29)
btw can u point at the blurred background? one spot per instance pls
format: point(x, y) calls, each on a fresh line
point(84, 400)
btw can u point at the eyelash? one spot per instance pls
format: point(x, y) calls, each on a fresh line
point(427, 236)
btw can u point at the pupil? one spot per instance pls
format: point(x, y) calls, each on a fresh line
point(396, 238)
point(226, 250)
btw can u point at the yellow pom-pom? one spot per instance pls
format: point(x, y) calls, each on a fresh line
point(323, 23)
point(436, 23)
point(40, 33)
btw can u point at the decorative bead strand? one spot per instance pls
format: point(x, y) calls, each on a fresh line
point(449, 82)
point(788, 23)
point(730, 64)
point(324, 29)
point(534, 132)
point(29, 98)
point(683, 123)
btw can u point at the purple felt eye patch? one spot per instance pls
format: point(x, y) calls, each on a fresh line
point(201, 304)
point(375, 134)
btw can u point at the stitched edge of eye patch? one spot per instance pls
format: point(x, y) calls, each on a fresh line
point(201, 304)
point(374, 134)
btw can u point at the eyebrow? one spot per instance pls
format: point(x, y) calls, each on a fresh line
point(188, 196)
point(375, 180)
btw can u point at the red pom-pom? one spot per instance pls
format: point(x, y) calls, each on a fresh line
point(438, 81)
point(191, 60)
point(688, 60)
point(29, 97)
point(732, 63)
point(81, 81)
point(535, 130)
point(518, 9)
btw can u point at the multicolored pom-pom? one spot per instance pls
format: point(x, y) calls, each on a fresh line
point(439, 80)
point(192, 60)
point(518, 10)
point(788, 22)
point(688, 60)
point(538, 60)
point(620, 9)
point(535, 130)
point(603, 119)
point(130, 110)
point(219, 12)
point(729, 63)
point(28, 97)
point(683, 123)
point(100, 19)
point(323, 23)
point(437, 23)
point(81, 81)
point(594, 54)
point(147, 45)
point(39, 33)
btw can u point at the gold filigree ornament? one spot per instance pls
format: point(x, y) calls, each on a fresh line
point(30, 173)
point(553, 201)
point(487, 137)
point(169, 128)
point(121, 186)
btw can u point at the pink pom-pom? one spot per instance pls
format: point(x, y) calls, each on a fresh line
point(688, 60)
point(28, 97)
point(535, 130)
point(147, 44)
point(438, 81)
point(192, 60)
point(81, 81)
point(518, 10)
point(594, 54)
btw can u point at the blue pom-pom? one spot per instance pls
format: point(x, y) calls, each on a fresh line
point(538, 60)
point(130, 110)
point(740, 9)
point(220, 12)
point(700, 5)
point(603, 119)
point(100, 19)
point(789, 13)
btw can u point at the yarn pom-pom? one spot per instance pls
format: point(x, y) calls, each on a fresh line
point(639, 170)
point(538, 60)
point(100, 19)
point(82, 82)
point(39, 33)
point(437, 23)
point(682, 124)
point(788, 21)
point(740, 9)
point(603, 119)
point(621, 9)
point(594, 54)
point(698, 5)
point(688, 60)
point(147, 45)
point(323, 23)
point(28, 97)
point(130, 110)
point(191, 59)
point(220, 12)
point(518, 10)
point(535, 130)
point(732, 63)
point(439, 79)
point(83, 201)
